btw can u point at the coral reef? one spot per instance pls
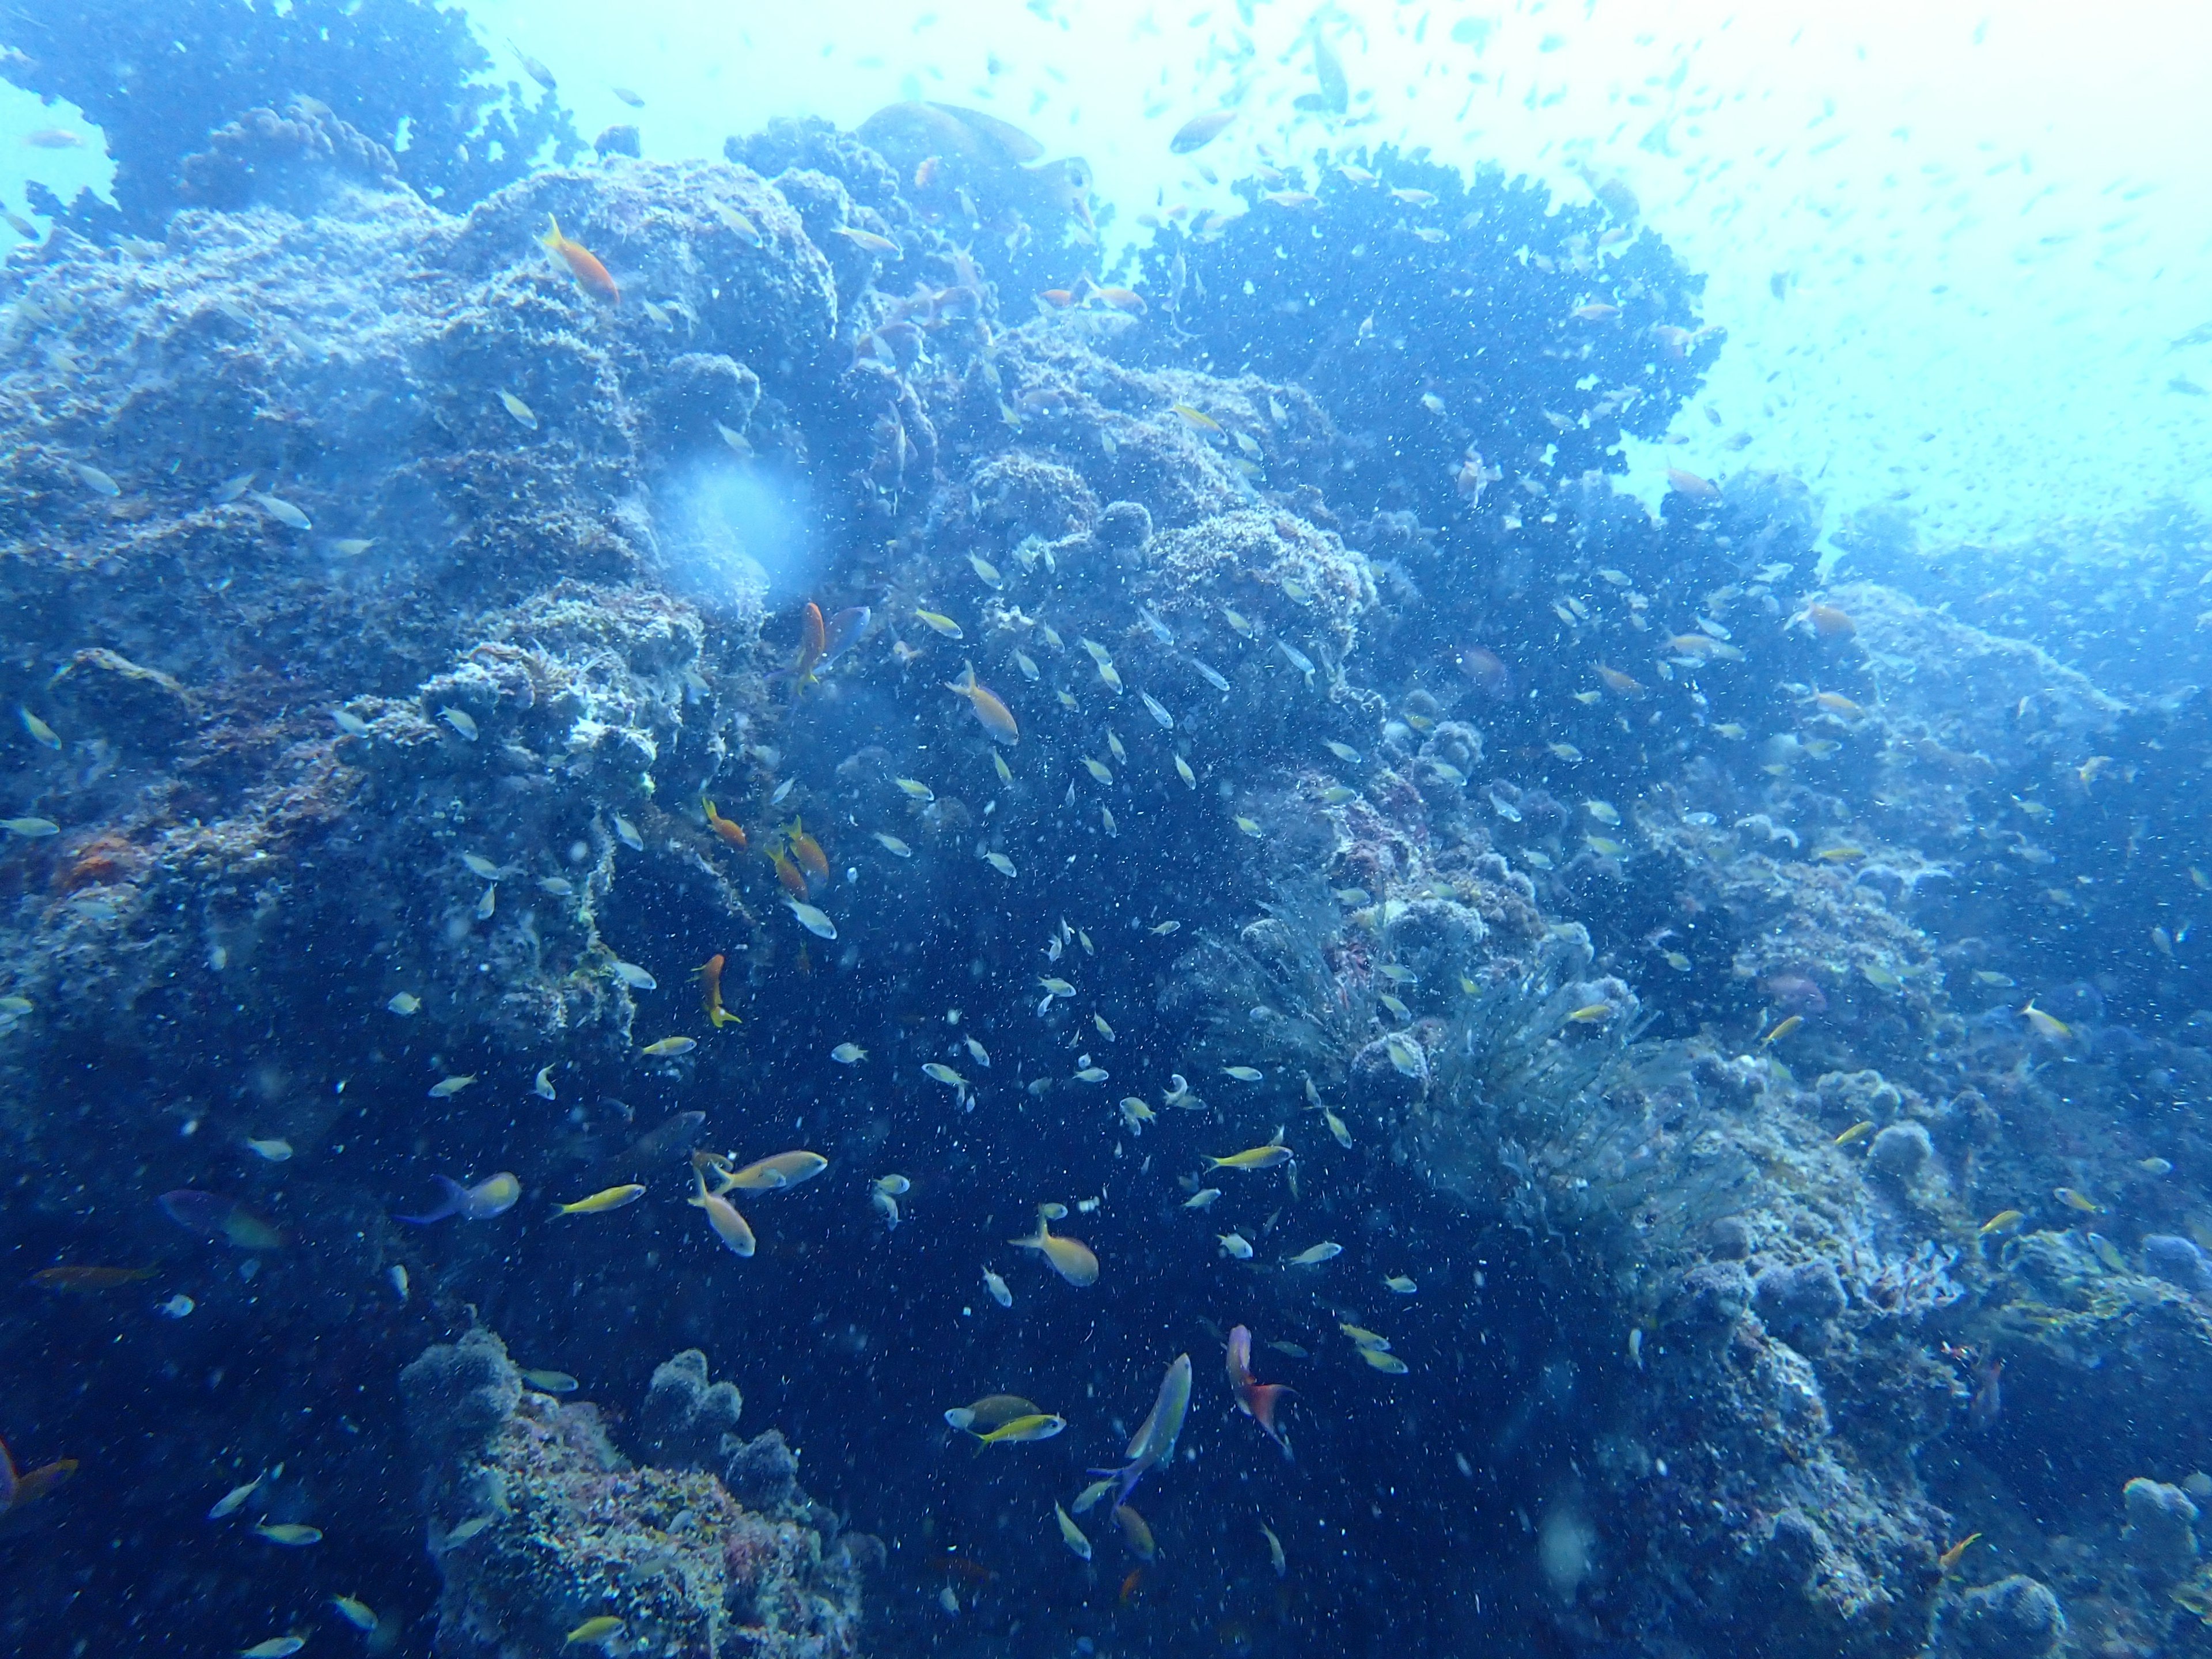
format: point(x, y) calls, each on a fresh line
point(538, 1524)
point(384, 67)
point(1703, 1002)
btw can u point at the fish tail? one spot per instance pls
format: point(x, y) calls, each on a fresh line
point(553, 238)
point(454, 1194)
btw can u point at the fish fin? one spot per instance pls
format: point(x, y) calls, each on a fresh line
point(40, 1481)
point(552, 238)
point(454, 1194)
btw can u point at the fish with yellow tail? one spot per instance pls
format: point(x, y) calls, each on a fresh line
point(997, 719)
point(2047, 1026)
point(1070, 1258)
point(610, 1197)
point(583, 264)
point(709, 974)
point(1154, 1442)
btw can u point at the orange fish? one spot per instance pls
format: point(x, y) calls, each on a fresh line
point(928, 173)
point(1058, 298)
point(998, 718)
point(1122, 299)
point(813, 641)
point(70, 1277)
point(1129, 1585)
point(17, 1490)
point(807, 850)
point(787, 873)
point(733, 833)
point(583, 264)
point(710, 992)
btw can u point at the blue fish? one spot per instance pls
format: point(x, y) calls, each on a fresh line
point(478, 1203)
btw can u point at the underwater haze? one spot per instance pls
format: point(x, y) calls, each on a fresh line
point(1028, 830)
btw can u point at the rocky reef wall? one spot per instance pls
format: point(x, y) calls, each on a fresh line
point(1629, 937)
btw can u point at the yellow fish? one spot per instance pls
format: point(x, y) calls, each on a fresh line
point(594, 1629)
point(1038, 1426)
point(1858, 1131)
point(610, 1197)
point(1591, 1012)
point(2002, 1222)
point(1255, 1158)
point(998, 720)
point(937, 622)
point(1070, 1258)
point(2074, 1200)
point(1782, 1030)
point(2046, 1025)
point(1950, 1559)
point(670, 1045)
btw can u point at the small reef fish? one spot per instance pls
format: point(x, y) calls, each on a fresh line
point(733, 834)
point(1022, 1431)
point(1202, 1199)
point(668, 1047)
point(72, 1277)
point(583, 264)
point(1070, 1258)
point(1256, 1398)
point(2047, 1026)
point(280, 509)
point(626, 832)
point(1071, 1535)
point(2002, 1222)
point(1782, 1030)
point(290, 1534)
point(938, 1072)
point(2075, 1200)
point(1137, 1534)
point(1385, 1362)
point(1276, 1559)
point(550, 1382)
point(446, 1088)
point(1243, 1073)
point(40, 733)
point(937, 622)
point(354, 1612)
point(1265, 1157)
point(1154, 1442)
point(209, 1215)
point(277, 1647)
point(709, 976)
point(598, 1628)
point(721, 1215)
point(1235, 1246)
point(95, 480)
point(482, 1202)
point(522, 412)
point(867, 240)
point(607, 1198)
point(815, 922)
point(1198, 131)
point(1858, 1131)
point(233, 1500)
point(463, 723)
point(1398, 1285)
point(633, 975)
point(775, 1173)
point(30, 829)
point(542, 1085)
point(848, 1053)
point(1949, 1561)
point(275, 1151)
point(997, 719)
point(1314, 1254)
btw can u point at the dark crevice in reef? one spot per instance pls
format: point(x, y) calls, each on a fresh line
point(1518, 821)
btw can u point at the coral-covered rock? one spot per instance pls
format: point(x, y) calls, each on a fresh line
point(538, 1523)
point(2016, 1618)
